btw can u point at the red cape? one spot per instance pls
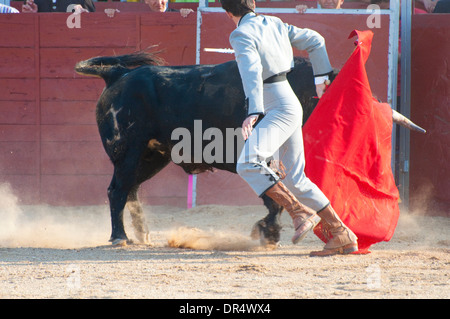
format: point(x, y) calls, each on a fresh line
point(348, 152)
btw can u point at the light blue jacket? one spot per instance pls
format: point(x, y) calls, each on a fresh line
point(263, 48)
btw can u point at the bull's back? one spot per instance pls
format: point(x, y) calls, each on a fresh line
point(180, 95)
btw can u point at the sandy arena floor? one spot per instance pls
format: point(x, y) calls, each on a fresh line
point(63, 252)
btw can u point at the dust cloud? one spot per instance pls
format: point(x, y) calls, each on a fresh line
point(10, 213)
point(201, 228)
point(195, 238)
point(48, 226)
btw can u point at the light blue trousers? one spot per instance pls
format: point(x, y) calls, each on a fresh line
point(279, 136)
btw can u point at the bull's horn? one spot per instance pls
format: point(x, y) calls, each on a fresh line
point(406, 122)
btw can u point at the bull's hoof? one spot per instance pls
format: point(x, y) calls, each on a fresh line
point(119, 242)
point(268, 236)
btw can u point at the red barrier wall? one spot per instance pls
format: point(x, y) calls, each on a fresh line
point(143, 7)
point(430, 108)
point(51, 150)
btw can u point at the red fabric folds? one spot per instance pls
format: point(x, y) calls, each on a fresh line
point(348, 152)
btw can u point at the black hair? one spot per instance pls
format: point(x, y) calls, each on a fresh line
point(238, 8)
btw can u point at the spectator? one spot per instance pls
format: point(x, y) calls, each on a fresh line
point(437, 6)
point(7, 9)
point(429, 5)
point(383, 4)
point(58, 5)
point(161, 6)
point(323, 4)
point(330, 4)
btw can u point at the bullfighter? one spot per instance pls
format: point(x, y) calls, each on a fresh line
point(263, 51)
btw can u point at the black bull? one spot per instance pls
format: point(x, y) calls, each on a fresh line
point(144, 102)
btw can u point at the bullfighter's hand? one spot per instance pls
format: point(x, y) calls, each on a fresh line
point(247, 126)
point(320, 89)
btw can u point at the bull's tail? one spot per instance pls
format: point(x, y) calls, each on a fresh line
point(104, 67)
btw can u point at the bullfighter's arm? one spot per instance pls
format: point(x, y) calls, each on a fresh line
point(312, 42)
point(250, 69)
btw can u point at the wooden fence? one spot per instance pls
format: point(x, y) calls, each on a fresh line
point(50, 147)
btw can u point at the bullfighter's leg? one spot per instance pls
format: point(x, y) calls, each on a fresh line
point(292, 155)
point(281, 122)
point(343, 240)
point(303, 200)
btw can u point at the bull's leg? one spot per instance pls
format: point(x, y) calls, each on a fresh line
point(117, 195)
point(137, 216)
point(267, 230)
point(133, 174)
point(124, 180)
